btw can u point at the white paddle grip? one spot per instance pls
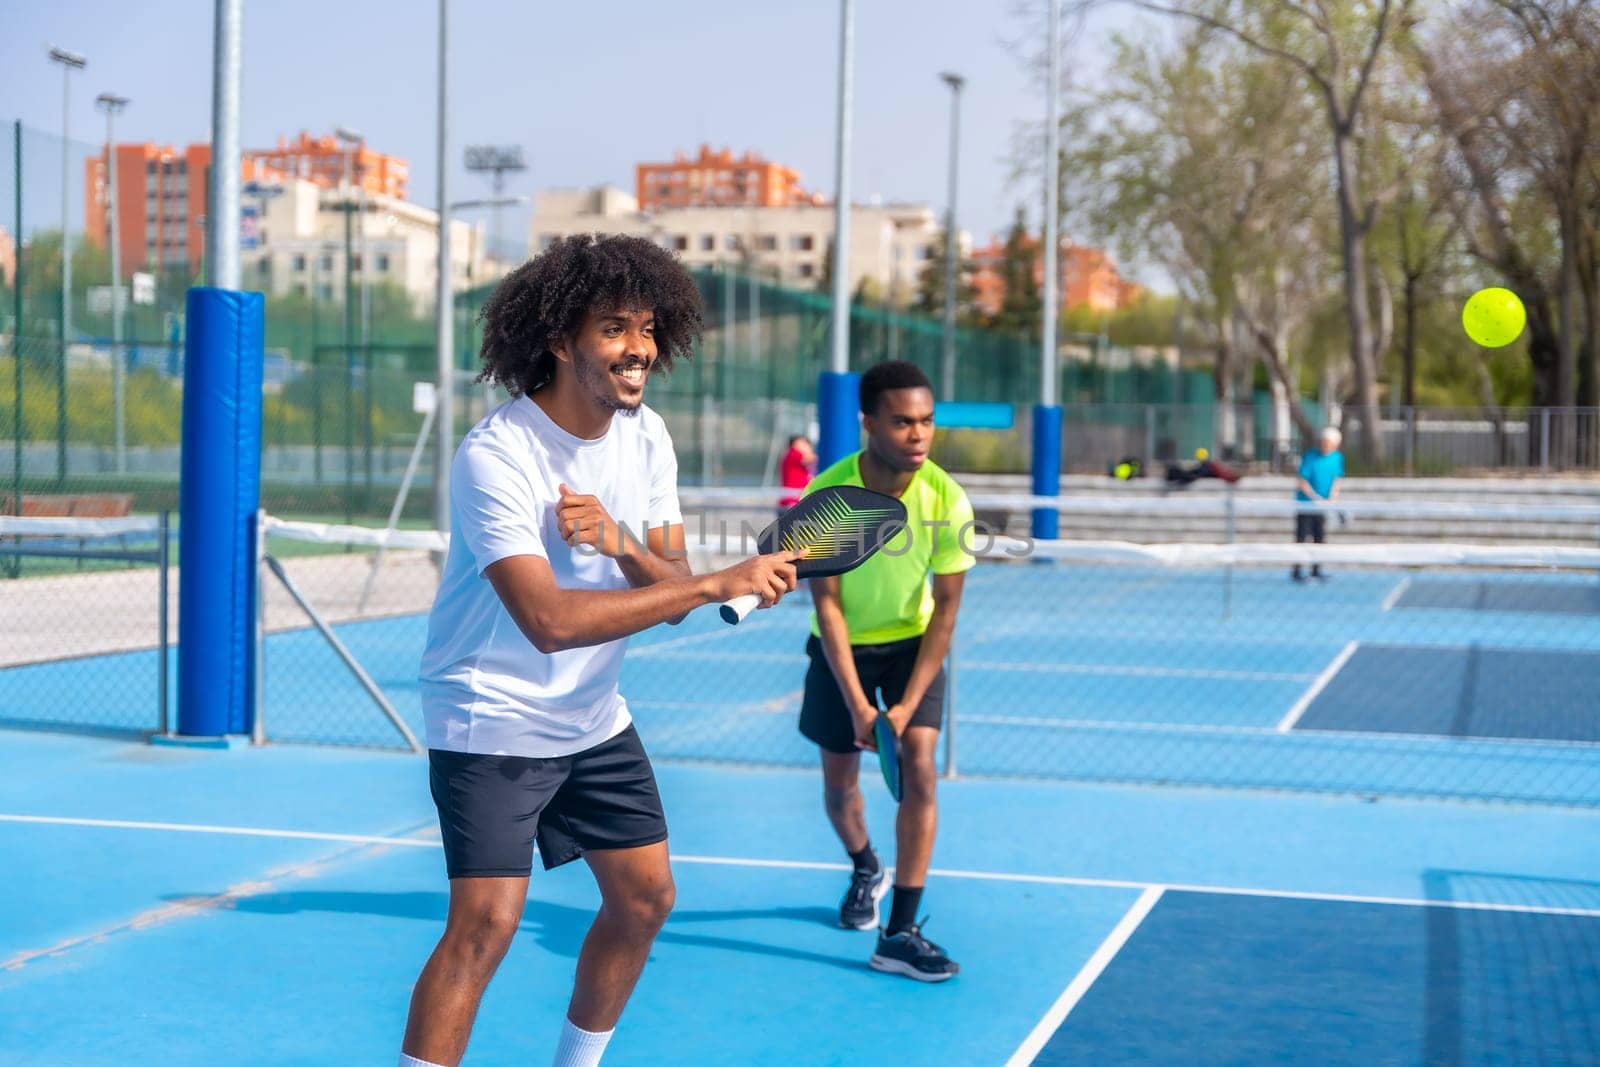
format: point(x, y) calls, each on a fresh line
point(734, 611)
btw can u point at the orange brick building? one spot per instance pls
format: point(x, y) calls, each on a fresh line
point(1088, 277)
point(163, 192)
point(717, 179)
point(326, 161)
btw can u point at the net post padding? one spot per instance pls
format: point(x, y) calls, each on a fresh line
point(1046, 468)
point(838, 416)
point(220, 494)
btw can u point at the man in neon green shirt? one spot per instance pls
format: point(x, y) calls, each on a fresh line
point(884, 628)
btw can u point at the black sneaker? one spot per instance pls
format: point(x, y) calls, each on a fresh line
point(859, 910)
point(911, 954)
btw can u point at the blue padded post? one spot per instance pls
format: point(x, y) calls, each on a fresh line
point(218, 501)
point(838, 416)
point(1046, 467)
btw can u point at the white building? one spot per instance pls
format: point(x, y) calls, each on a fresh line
point(300, 244)
point(889, 244)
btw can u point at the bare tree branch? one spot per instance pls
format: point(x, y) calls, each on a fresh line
point(1300, 62)
point(1365, 77)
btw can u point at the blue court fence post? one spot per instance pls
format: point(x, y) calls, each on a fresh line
point(218, 501)
point(838, 416)
point(1046, 468)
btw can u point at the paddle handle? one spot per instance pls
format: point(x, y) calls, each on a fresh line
point(734, 611)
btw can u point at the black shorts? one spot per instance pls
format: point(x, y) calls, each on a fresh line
point(493, 808)
point(884, 671)
point(1310, 527)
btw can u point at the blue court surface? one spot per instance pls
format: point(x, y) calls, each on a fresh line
point(273, 906)
point(1196, 817)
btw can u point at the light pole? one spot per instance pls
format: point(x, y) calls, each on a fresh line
point(319, 248)
point(222, 235)
point(496, 160)
point(839, 362)
point(353, 172)
point(1049, 383)
point(70, 61)
point(1047, 414)
point(947, 382)
point(444, 389)
point(494, 204)
point(111, 104)
point(836, 413)
point(346, 204)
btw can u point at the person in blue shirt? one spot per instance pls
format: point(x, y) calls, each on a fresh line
point(1317, 482)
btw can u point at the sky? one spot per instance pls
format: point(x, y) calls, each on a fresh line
point(587, 90)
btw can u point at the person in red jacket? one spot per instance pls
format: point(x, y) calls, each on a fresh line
point(799, 464)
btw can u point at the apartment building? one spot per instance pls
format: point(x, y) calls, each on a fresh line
point(300, 245)
point(717, 179)
point(889, 243)
point(1088, 277)
point(293, 203)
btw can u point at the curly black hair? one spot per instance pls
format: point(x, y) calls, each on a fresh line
point(890, 374)
point(547, 298)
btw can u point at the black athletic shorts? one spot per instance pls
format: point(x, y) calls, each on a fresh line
point(1310, 527)
point(493, 808)
point(884, 671)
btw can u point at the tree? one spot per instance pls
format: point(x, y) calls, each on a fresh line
point(1192, 156)
point(930, 284)
point(1516, 88)
point(1022, 306)
point(1424, 234)
point(1335, 47)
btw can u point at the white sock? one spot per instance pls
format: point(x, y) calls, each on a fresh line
point(412, 1061)
point(580, 1048)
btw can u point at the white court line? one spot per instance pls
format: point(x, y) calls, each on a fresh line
point(1395, 594)
point(1085, 978)
point(701, 656)
point(237, 831)
point(1114, 726)
point(1134, 671)
point(815, 865)
point(1180, 728)
point(781, 704)
point(1317, 686)
point(996, 636)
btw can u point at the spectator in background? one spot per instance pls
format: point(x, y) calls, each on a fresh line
point(1317, 482)
point(796, 470)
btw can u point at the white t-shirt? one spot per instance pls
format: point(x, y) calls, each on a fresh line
point(485, 688)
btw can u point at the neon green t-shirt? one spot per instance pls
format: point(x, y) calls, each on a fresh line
point(890, 596)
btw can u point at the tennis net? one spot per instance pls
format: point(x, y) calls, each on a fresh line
point(1424, 668)
point(88, 617)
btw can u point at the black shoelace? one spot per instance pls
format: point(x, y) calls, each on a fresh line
point(919, 944)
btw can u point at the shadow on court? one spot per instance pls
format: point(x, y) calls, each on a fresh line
point(557, 928)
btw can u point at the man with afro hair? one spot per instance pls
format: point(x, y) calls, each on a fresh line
point(566, 539)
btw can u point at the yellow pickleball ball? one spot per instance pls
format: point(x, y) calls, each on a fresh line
point(1493, 317)
point(1201, 453)
point(1124, 471)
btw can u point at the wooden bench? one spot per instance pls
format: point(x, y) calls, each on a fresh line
point(70, 505)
